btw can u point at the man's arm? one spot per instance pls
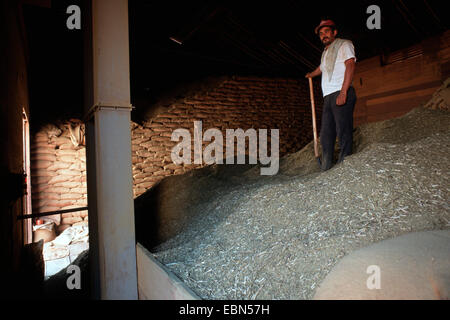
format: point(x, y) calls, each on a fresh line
point(315, 73)
point(348, 78)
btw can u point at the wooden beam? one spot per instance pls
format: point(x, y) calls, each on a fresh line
point(37, 3)
point(156, 282)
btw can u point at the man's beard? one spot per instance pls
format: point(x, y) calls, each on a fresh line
point(326, 41)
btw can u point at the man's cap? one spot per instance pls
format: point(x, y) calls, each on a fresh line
point(324, 23)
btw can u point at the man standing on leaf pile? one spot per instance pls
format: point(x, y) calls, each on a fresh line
point(337, 67)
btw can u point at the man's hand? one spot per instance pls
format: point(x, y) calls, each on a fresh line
point(341, 98)
point(315, 73)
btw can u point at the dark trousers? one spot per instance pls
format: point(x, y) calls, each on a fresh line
point(337, 121)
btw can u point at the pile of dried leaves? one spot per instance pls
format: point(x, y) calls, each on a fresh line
point(254, 237)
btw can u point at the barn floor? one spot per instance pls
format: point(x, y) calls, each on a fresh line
point(255, 237)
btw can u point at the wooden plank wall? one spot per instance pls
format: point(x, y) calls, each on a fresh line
point(156, 282)
point(393, 89)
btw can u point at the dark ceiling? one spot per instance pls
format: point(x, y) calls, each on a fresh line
point(173, 42)
point(177, 42)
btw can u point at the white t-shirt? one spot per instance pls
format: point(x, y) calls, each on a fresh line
point(345, 52)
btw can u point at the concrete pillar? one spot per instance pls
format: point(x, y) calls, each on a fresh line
point(109, 171)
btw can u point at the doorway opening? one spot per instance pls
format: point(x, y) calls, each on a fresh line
point(26, 199)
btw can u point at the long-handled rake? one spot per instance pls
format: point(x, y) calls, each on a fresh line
point(313, 110)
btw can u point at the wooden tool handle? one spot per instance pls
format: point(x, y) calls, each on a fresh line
point(313, 111)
